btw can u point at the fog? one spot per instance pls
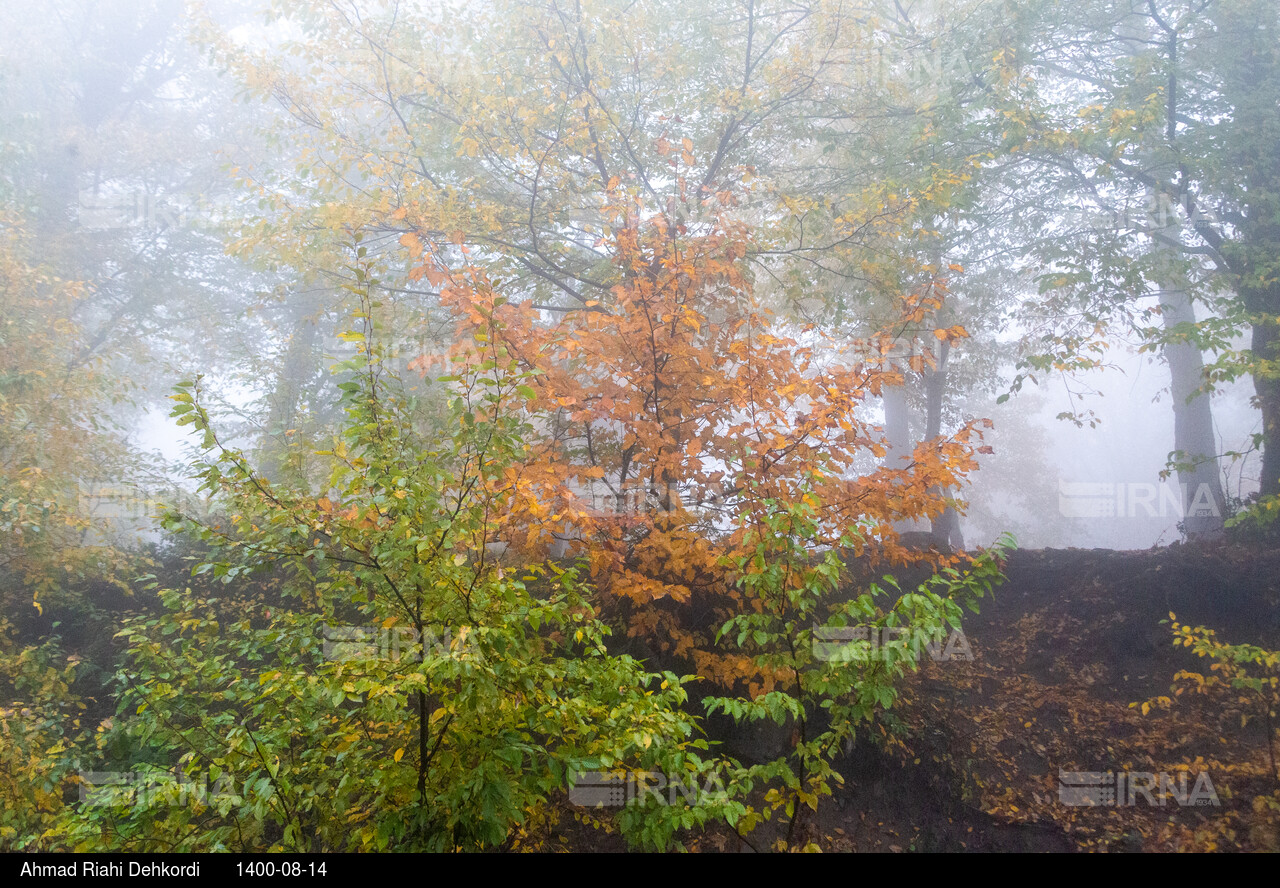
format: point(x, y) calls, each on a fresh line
point(185, 177)
point(794, 424)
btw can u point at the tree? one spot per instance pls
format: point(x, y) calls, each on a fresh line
point(882, 193)
point(51, 437)
point(678, 402)
point(573, 178)
point(496, 688)
point(1153, 116)
point(837, 658)
point(51, 442)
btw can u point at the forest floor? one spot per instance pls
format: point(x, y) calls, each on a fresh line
point(1069, 641)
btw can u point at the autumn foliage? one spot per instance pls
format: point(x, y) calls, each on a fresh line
point(672, 408)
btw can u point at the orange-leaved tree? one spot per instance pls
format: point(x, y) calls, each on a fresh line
point(676, 404)
point(583, 163)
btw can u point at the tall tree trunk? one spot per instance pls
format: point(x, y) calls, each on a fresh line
point(293, 384)
point(945, 527)
point(897, 426)
point(897, 432)
point(1193, 436)
point(1250, 80)
point(1258, 264)
point(1267, 386)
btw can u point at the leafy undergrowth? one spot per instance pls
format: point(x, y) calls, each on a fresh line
point(1068, 643)
point(1072, 640)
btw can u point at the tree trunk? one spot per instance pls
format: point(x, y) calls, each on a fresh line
point(897, 432)
point(1250, 80)
point(897, 425)
point(1267, 387)
point(1259, 290)
point(1193, 438)
point(945, 527)
point(293, 384)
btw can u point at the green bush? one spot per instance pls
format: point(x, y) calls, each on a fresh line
point(467, 694)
